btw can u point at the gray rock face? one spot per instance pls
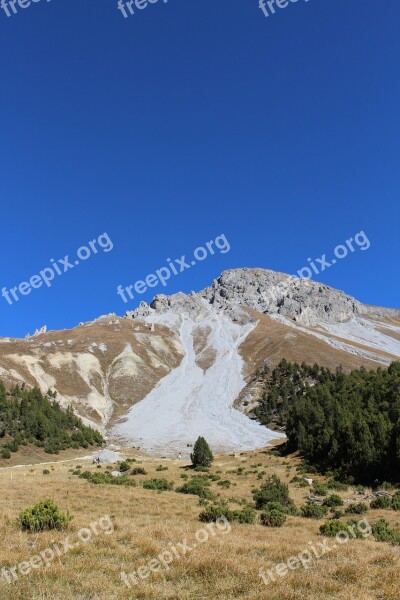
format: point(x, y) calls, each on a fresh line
point(303, 300)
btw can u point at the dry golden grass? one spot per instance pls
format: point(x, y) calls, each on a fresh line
point(225, 567)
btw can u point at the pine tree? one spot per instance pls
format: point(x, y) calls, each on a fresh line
point(202, 455)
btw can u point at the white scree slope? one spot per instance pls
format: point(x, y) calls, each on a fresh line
point(190, 401)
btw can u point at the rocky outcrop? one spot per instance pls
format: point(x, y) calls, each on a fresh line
point(302, 300)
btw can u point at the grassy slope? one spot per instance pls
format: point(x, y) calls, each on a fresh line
point(226, 567)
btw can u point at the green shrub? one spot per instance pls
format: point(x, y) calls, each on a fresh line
point(383, 533)
point(396, 501)
point(45, 515)
point(386, 486)
point(246, 515)
point(226, 484)
point(296, 479)
point(313, 511)
point(106, 478)
point(201, 455)
point(320, 489)
point(201, 469)
point(198, 487)
point(382, 502)
point(138, 471)
point(275, 506)
point(357, 509)
point(217, 510)
point(273, 518)
point(214, 512)
point(5, 453)
point(160, 485)
point(333, 500)
point(338, 486)
point(332, 528)
point(288, 509)
point(46, 472)
point(161, 468)
point(273, 490)
point(124, 466)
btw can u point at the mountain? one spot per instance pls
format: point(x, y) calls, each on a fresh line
point(186, 365)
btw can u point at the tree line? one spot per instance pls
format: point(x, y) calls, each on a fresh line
point(345, 423)
point(28, 416)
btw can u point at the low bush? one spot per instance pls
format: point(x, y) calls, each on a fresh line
point(138, 471)
point(160, 485)
point(383, 533)
point(246, 515)
point(226, 484)
point(198, 486)
point(333, 500)
point(332, 528)
point(217, 510)
point(396, 501)
point(273, 490)
point(313, 511)
point(320, 489)
point(161, 468)
point(338, 486)
point(273, 518)
point(106, 478)
point(45, 515)
point(357, 509)
point(382, 502)
point(124, 466)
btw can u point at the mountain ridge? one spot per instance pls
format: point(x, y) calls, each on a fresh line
point(171, 360)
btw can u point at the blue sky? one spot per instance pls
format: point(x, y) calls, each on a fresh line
point(188, 120)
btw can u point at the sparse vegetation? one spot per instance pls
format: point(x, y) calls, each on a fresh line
point(105, 478)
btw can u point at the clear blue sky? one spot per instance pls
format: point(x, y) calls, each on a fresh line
point(187, 120)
